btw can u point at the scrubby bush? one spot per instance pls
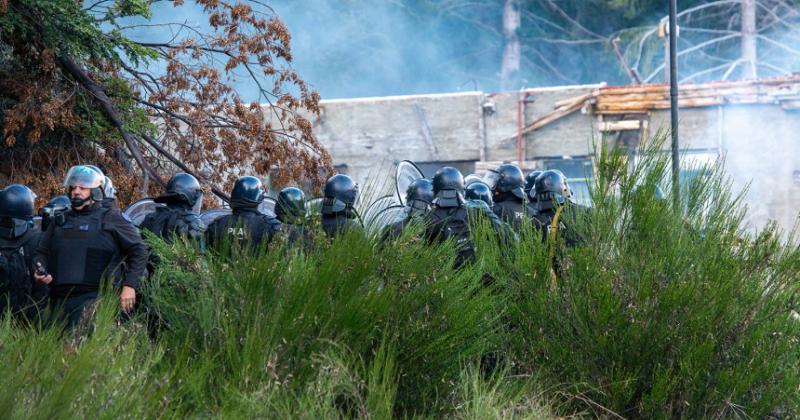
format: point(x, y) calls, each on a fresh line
point(669, 308)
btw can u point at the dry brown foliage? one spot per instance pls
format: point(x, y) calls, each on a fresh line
point(201, 120)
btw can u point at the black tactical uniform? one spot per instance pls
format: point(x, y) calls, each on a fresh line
point(290, 210)
point(419, 196)
point(509, 197)
point(89, 245)
point(450, 217)
point(246, 226)
point(338, 213)
point(179, 213)
point(19, 293)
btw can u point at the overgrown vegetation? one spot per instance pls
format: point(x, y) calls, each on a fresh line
point(661, 314)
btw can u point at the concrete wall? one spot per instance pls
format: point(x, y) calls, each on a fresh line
point(371, 135)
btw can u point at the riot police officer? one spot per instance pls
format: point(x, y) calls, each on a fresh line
point(530, 191)
point(507, 182)
point(246, 225)
point(53, 211)
point(555, 211)
point(338, 211)
point(18, 239)
point(481, 192)
point(290, 210)
point(179, 213)
point(450, 217)
point(419, 197)
point(92, 242)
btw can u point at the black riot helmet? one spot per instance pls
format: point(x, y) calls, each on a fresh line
point(340, 194)
point(552, 186)
point(480, 191)
point(53, 211)
point(16, 210)
point(448, 187)
point(506, 179)
point(530, 181)
point(183, 188)
point(291, 205)
point(247, 192)
point(419, 195)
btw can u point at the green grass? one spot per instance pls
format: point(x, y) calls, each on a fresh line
point(669, 309)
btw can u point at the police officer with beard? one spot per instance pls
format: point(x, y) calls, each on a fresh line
point(338, 211)
point(246, 225)
point(92, 242)
point(451, 217)
point(507, 185)
point(18, 239)
point(178, 215)
point(290, 210)
point(419, 197)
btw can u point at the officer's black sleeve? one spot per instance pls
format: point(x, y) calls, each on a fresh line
point(132, 247)
point(503, 229)
point(42, 248)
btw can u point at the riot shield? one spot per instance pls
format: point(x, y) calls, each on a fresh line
point(268, 206)
point(210, 215)
point(136, 212)
point(314, 207)
point(406, 173)
point(377, 206)
point(386, 217)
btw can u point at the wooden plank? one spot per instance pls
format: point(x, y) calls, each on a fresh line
point(571, 101)
point(624, 125)
point(553, 116)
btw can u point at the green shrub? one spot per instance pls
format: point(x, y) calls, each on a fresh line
point(668, 309)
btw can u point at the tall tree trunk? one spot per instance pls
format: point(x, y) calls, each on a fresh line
point(509, 72)
point(749, 39)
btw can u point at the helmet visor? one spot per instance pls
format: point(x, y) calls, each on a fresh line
point(12, 227)
point(491, 179)
point(84, 177)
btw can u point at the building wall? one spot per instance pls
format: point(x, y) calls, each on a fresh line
point(369, 136)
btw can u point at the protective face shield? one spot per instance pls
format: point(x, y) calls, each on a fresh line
point(12, 227)
point(448, 187)
point(16, 210)
point(85, 176)
point(54, 211)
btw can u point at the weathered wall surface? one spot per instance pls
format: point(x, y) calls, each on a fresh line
point(371, 135)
